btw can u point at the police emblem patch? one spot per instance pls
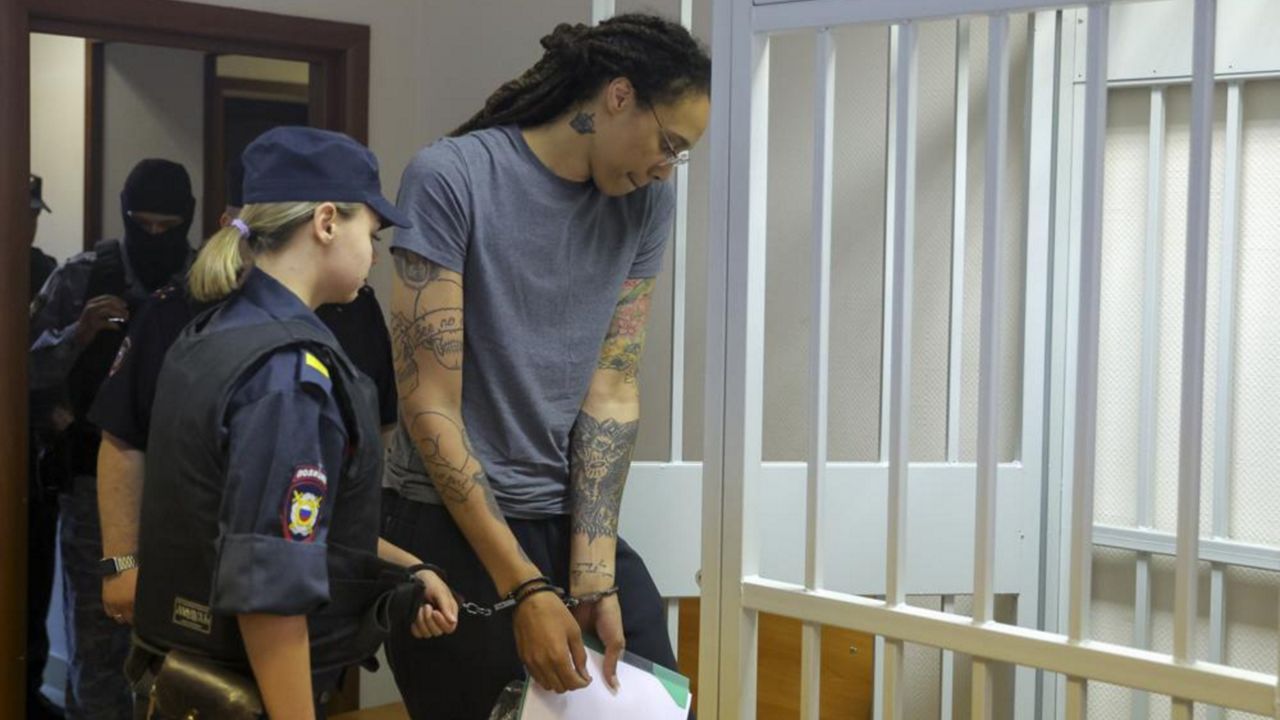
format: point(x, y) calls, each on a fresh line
point(124, 350)
point(301, 505)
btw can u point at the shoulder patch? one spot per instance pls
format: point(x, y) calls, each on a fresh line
point(300, 507)
point(312, 371)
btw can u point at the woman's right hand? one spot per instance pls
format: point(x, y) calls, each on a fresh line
point(439, 614)
point(549, 642)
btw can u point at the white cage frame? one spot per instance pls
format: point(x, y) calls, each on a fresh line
point(733, 590)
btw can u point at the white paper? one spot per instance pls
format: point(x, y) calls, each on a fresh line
point(640, 697)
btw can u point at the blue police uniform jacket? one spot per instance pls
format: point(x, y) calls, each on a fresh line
point(262, 484)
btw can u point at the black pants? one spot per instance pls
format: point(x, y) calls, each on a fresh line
point(459, 676)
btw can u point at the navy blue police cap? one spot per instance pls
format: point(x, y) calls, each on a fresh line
point(302, 164)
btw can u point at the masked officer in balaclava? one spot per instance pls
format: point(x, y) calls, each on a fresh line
point(78, 322)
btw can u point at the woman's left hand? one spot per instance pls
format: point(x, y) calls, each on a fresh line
point(439, 614)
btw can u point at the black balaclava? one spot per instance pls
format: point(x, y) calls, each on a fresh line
point(162, 187)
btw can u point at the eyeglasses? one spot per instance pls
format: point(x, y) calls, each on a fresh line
point(674, 159)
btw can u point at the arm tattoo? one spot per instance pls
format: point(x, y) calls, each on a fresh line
point(438, 330)
point(600, 456)
point(415, 270)
point(451, 463)
point(584, 123)
point(402, 347)
point(624, 342)
point(441, 441)
point(591, 570)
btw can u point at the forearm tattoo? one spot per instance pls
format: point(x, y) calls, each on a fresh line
point(624, 343)
point(450, 461)
point(600, 456)
point(591, 570)
point(436, 330)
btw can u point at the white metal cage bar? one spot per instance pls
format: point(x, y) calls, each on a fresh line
point(1039, 123)
point(959, 212)
point(819, 351)
point(890, 195)
point(741, 195)
point(680, 273)
point(947, 671)
point(1186, 572)
point(989, 351)
point(680, 282)
point(1223, 420)
point(722, 508)
point(1060, 403)
point(1086, 410)
point(1145, 485)
point(900, 281)
point(1212, 550)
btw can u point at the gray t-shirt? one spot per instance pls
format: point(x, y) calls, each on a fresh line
point(543, 261)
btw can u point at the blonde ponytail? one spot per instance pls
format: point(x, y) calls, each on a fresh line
point(219, 266)
point(216, 269)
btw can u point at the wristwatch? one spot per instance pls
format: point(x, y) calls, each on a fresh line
point(109, 566)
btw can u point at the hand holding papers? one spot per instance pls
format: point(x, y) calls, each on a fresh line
point(647, 692)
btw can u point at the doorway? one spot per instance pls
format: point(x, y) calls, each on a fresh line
point(337, 57)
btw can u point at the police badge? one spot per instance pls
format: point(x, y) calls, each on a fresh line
point(301, 505)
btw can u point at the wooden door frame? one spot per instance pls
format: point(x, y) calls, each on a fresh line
point(340, 53)
point(217, 90)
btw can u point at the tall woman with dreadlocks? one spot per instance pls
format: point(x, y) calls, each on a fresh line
point(519, 310)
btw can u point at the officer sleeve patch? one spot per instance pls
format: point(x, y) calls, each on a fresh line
point(314, 372)
point(300, 508)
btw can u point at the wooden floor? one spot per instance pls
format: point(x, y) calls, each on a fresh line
point(848, 662)
point(394, 711)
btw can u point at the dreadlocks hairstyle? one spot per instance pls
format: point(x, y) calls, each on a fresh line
point(660, 58)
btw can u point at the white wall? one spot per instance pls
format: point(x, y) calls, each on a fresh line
point(57, 139)
point(57, 155)
point(153, 107)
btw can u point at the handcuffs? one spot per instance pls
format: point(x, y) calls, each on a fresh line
point(522, 592)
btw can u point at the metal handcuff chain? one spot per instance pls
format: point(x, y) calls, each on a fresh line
point(515, 597)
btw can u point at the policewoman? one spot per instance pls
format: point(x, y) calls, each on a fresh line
point(122, 407)
point(259, 551)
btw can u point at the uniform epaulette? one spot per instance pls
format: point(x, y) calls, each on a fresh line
point(312, 371)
